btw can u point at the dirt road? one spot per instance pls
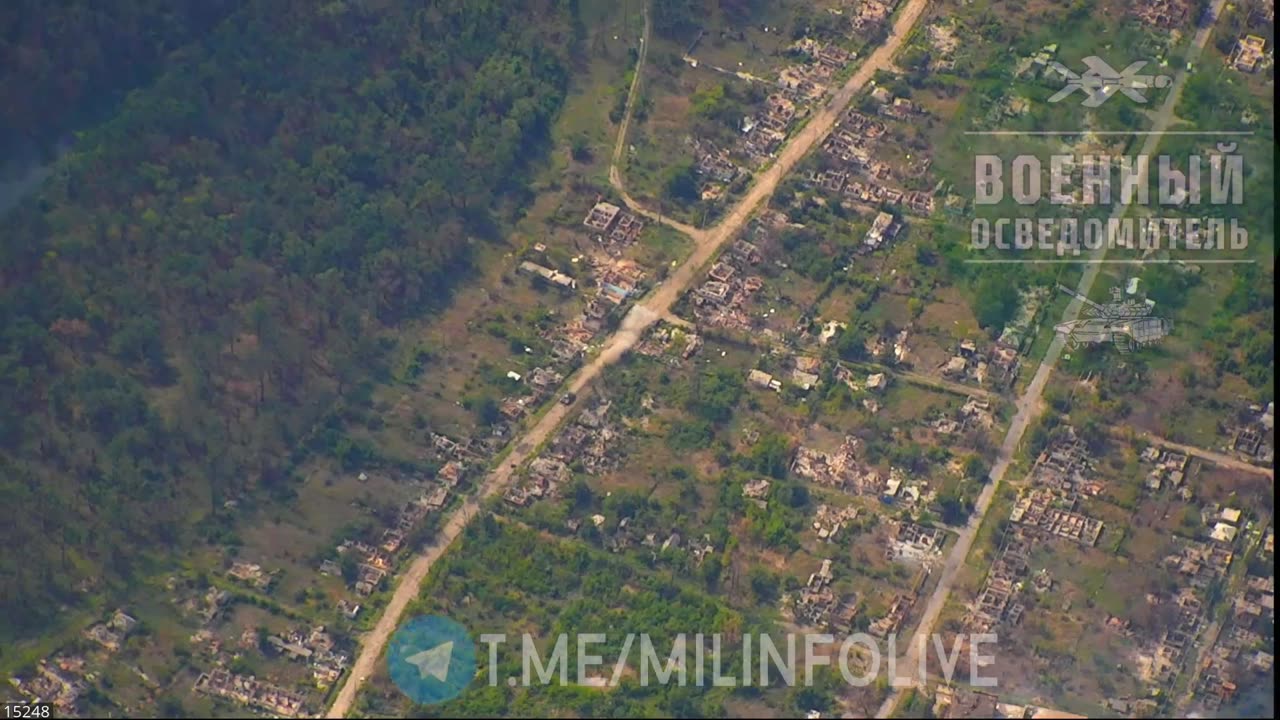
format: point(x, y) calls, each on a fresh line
point(656, 305)
point(708, 242)
point(619, 147)
point(1029, 406)
point(1216, 458)
point(945, 385)
point(408, 583)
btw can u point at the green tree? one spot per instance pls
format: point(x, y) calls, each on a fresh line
point(487, 411)
point(975, 469)
point(681, 184)
point(770, 455)
point(580, 148)
point(764, 585)
point(954, 508)
point(691, 435)
point(995, 302)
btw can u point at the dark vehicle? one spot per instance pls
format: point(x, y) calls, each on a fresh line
point(568, 398)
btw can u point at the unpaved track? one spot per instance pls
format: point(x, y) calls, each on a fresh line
point(1029, 406)
point(619, 147)
point(657, 305)
point(1216, 458)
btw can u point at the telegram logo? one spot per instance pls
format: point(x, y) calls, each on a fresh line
point(431, 659)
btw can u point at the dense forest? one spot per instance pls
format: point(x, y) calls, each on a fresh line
point(63, 63)
point(213, 267)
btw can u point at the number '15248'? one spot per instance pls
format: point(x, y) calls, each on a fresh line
point(24, 711)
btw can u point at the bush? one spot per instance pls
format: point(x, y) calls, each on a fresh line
point(691, 435)
point(995, 302)
point(681, 184)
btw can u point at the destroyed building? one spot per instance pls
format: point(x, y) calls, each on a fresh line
point(870, 15)
point(998, 599)
point(553, 277)
point(840, 469)
point(913, 542)
point(882, 230)
point(817, 604)
point(829, 521)
point(111, 634)
point(614, 227)
point(249, 691)
point(1164, 14)
point(1249, 54)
